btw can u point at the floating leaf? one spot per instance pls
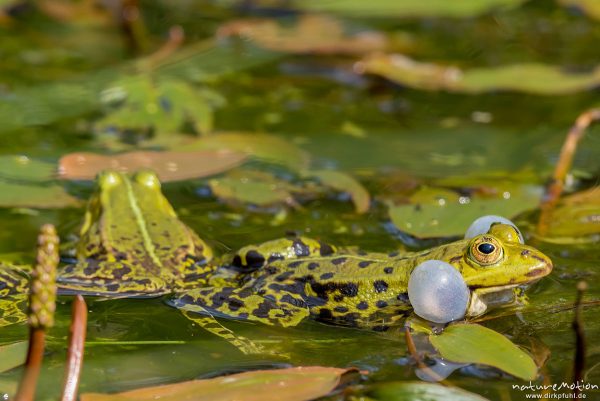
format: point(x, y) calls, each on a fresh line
point(12, 355)
point(42, 196)
point(343, 182)
point(436, 212)
point(590, 7)
point(311, 34)
point(263, 146)
point(253, 187)
point(472, 343)
point(577, 216)
point(23, 168)
point(293, 384)
point(419, 391)
point(165, 106)
point(406, 8)
point(533, 78)
point(170, 166)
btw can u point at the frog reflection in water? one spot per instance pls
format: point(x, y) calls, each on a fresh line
point(364, 289)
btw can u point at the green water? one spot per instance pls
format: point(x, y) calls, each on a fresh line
point(308, 100)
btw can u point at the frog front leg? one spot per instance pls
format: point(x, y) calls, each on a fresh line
point(483, 299)
point(274, 307)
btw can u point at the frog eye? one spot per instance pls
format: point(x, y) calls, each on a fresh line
point(147, 178)
point(108, 178)
point(486, 250)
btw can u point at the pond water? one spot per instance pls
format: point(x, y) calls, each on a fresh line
point(392, 137)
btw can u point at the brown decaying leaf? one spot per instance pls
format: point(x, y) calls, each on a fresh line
point(170, 166)
point(291, 384)
point(315, 34)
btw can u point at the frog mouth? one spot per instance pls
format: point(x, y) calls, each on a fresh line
point(491, 297)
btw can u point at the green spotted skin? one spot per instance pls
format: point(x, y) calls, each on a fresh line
point(360, 288)
point(132, 243)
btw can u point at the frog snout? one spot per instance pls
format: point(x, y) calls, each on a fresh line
point(540, 269)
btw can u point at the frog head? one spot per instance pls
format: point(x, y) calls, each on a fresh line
point(493, 265)
point(498, 258)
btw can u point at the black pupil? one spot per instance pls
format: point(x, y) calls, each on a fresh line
point(486, 248)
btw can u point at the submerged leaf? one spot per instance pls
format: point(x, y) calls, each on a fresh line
point(406, 8)
point(42, 196)
point(540, 79)
point(170, 166)
point(472, 343)
point(253, 187)
point(12, 355)
point(311, 34)
point(164, 106)
point(590, 7)
point(577, 216)
point(343, 182)
point(419, 391)
point(293, 384)
point(263, 146)
point(436, 212)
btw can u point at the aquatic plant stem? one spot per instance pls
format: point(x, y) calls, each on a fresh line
point(35, 355)
point(412, 350)
point(42, 303)
point(76, 349)
point(173, 43)
point(565, 160)
point(579, 360)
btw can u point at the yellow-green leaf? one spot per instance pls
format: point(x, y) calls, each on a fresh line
point(576, 218)
point(292, 384)
point(540, 79)
point(343, 182)
point(12, 355)
point(472, 343)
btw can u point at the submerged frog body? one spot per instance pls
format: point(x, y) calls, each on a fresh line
point(132, 243)
point(364, 289)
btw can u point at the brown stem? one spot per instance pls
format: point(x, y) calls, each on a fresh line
point(563, 165)
point(132, 26)
point(579, 361)
point(76, 349)
point(35, 355)
point(174, 42)
point(412, 350)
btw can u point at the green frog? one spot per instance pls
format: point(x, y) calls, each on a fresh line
point(131, 242)
point(364, 289)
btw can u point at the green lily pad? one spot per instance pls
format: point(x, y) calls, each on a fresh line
point(20, 167)
point(539, 79)
point(293, 384)
point(13, 355)
point(436, 212)
point(262, 146)
point(26, 182)
point(419, 391)
point(472, 343)
point(406, 8)
point(343, 182)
